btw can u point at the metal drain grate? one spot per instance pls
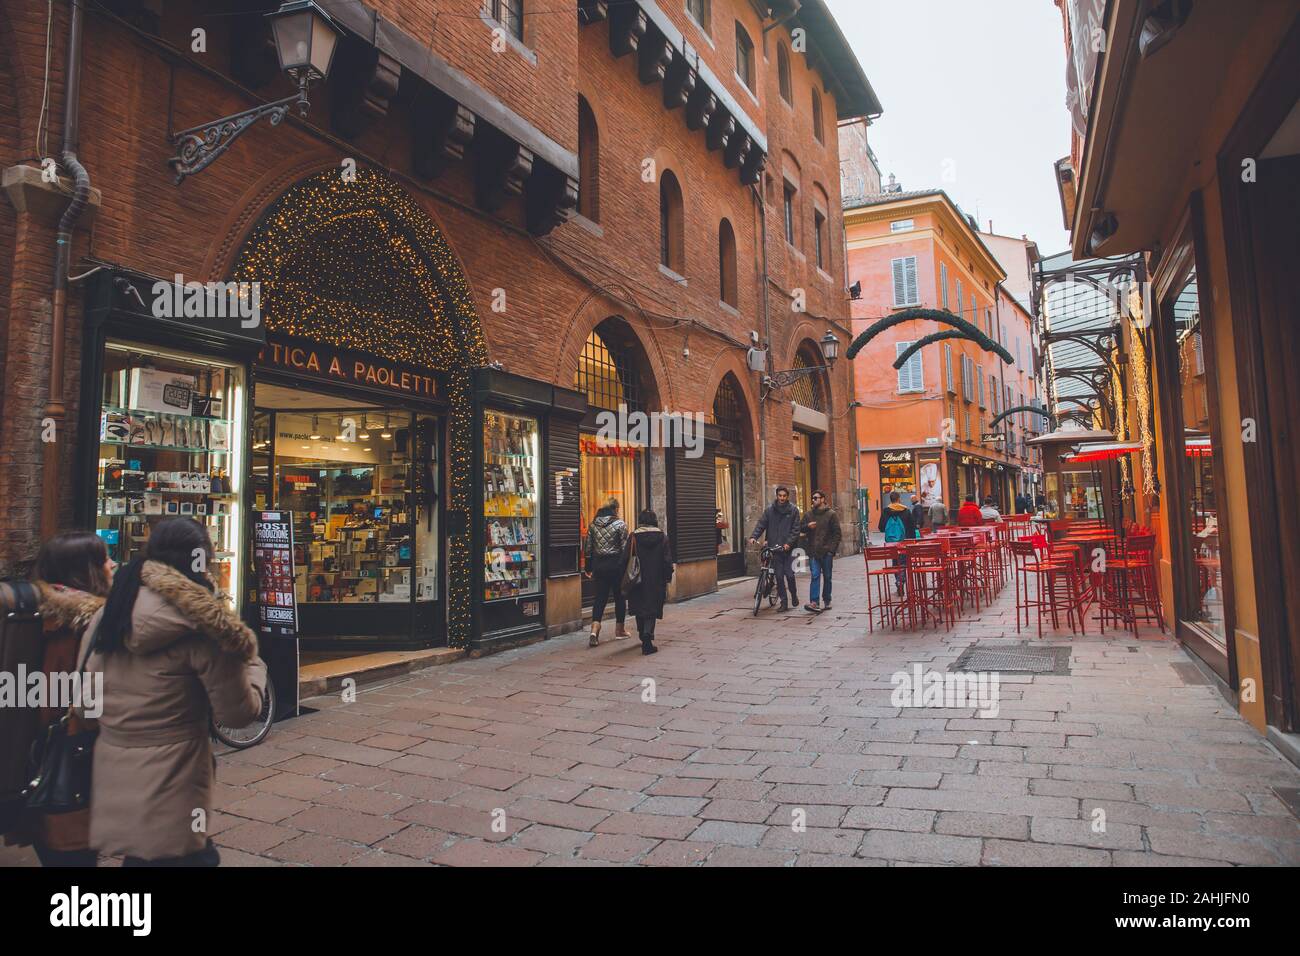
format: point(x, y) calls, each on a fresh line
point(1021, 659)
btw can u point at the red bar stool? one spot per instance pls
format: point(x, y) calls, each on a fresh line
point(928, 592)
point(885, 596)
point(1031, 571)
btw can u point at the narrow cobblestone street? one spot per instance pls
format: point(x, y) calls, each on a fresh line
point(753, 720)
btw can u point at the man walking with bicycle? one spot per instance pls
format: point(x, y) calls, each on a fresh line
point(781, 522)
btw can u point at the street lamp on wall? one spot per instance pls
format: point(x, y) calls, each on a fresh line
point(305, 41)
point(830, 346)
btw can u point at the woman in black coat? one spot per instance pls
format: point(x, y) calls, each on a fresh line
point(646, 598)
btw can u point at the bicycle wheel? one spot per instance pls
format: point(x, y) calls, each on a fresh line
point(758, 593)
point(248, 736)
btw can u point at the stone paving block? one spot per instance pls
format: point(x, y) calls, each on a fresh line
point(678, 853)
point(479, 853)
point(616, 847)
point(316, 849)
point(649, 825)
point(966, 823)
point(889, 818)
point(749, 856)
point(920, 847)
point(1115, 836)
point(550, 812)
point(1014, 853)
point(821, 840)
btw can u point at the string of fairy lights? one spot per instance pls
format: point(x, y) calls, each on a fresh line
point(358, 264)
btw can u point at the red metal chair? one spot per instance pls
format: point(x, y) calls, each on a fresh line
point(928, 593)
point(884, 596)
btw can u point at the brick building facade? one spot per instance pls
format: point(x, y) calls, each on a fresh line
point(553, 211)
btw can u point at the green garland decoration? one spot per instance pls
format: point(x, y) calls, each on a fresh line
point(929, 340)
point(1019, 408)
point(934, 315)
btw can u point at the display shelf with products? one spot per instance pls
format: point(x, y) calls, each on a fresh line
point(169, 428)
point(511, 536)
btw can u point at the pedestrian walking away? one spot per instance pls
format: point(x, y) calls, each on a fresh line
point(172, 652)
point(605, 552)
point(647, 594)
point(897, 525)
point(921, 511)
point(780, 522)
point(938, 517)
point(821, 530)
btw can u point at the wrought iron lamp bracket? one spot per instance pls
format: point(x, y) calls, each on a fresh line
point(199, 146)
point(787, 377)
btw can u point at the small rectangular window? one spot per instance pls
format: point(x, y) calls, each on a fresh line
point(789, 213)
point(819, 236)
point(943, 283)
point(510, 14)
point(902, 225)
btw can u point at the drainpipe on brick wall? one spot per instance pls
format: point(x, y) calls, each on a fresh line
point(767, 341)
point(55, 409)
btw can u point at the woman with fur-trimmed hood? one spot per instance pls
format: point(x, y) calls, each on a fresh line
point(172, 652)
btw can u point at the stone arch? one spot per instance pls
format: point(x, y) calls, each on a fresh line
point(593, 311)
point(730, 364)
point(361, 265)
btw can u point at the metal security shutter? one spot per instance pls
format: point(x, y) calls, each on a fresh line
point(564, 536)
point(692, 504)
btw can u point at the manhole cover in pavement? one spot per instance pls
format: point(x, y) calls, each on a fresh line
point(1021, 659)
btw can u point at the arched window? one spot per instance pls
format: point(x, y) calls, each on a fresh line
point(588, 162)
point(807, 391)
point(817, 117)
point(783, 73)
point(607, 375)
point(727, 263)
point(727, 411)
point(672, 252)
point(744, 56)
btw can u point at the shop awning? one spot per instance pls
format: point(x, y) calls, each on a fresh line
point(1072, 436)
point(1103, 450)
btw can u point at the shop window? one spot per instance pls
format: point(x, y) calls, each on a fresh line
point(511, 515)
point(607, 375)
point(672, 242)
point(588, 162)
point(1202, 499)
point(744, 57)
point(171, 429)
point(730, 521)
point(804, 471)
point(783, 72)
point(727, 264)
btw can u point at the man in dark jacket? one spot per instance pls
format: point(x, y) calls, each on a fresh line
point(897, 525)
point(921, 510)
point(821, 530)
point(781, 522)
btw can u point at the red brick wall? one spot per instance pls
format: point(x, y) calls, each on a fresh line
point(148, 224)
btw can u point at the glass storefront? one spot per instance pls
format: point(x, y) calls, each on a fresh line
point(362, 482)
point(609, 470)
point(897, 473)
point(730, 520)
point(511, 511)
point(801, 493)
point(171, 429)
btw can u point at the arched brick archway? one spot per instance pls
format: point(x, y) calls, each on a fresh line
point(361, 265)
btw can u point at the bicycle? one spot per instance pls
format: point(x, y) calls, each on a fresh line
point(766, 587)
point(250, 735)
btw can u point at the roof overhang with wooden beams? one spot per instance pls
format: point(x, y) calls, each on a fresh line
point(1167, 74)
point(831, 56)
point(452, 118)
point(639, 30)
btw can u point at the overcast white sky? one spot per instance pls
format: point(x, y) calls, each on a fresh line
point(974, 103)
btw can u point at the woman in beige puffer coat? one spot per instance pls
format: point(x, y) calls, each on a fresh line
point(172, 652)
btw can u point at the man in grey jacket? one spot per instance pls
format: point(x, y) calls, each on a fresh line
point(781, 522)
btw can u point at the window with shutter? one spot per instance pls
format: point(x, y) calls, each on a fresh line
point(943, 287)
point(910, 377)
point(904, 274)
point(979, 377)
point(959, 297)
point(947, 364)
point(974, 311)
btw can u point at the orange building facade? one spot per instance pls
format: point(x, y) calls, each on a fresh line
point(924, 428)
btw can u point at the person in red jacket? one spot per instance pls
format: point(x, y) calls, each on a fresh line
point(969, 514)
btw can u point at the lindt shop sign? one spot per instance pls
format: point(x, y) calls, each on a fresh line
point(277, 609)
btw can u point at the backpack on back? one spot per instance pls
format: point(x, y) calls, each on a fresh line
point(894, 528)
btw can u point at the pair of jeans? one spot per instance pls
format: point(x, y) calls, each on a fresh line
point(206, 857)
point(608, 583)
point(783, 568)
point(900, 562)
point(821, 568)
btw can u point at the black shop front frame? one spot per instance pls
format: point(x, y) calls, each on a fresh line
point(354, 445)
point(524, 516)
